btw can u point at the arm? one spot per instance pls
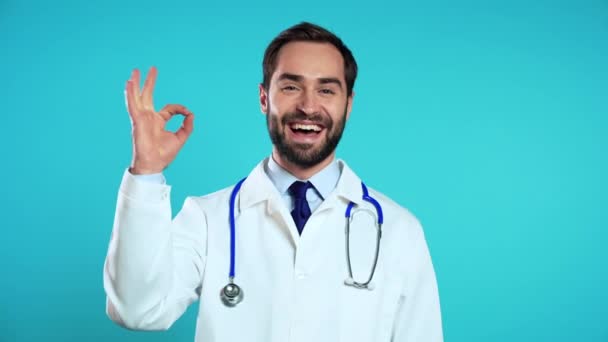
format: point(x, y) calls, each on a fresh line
point(154, 265)
point(419, 314)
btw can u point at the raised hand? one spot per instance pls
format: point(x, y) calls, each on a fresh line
point(154, 147)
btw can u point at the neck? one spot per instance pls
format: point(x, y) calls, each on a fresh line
point(298, 171)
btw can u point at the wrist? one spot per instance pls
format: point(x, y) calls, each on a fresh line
point(135, 170)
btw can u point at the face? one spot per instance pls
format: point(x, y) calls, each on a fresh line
point(306, 104)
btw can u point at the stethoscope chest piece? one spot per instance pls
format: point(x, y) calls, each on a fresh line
point(231, 294)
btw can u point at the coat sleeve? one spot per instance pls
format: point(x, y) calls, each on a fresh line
point(419, 314)
point(154, 265)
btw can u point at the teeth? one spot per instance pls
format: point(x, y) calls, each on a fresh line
point(307, 127)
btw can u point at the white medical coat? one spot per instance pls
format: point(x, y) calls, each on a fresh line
point(293, 285)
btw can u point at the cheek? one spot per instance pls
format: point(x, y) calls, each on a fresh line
point(289, 103)
point(338, 110)
point(279, 102)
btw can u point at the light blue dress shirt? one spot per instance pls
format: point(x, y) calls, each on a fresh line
point(324, 182)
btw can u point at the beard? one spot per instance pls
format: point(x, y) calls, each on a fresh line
point(301, 154)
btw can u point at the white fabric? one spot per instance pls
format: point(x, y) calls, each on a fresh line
point(324, 182)
point(293, 285)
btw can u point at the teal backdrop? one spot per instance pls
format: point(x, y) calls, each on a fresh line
point(487, 119)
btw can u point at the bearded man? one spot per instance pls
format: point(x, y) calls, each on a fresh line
point(320, 256)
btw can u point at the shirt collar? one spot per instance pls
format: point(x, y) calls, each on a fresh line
point(324, 181)
point(259, 187)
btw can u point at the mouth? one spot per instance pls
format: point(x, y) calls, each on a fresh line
point(305, 132)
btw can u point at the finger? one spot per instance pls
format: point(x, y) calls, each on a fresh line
point(171, 109)
point(135, 80)
point(186, 129)
point(129, 98)
point(146, 95)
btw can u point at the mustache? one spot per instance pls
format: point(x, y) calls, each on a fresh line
point(299, 116)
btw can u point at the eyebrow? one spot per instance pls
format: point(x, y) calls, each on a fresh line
point(328, 80)
point(300, 78)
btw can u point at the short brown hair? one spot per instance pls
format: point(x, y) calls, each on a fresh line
point(307, 32)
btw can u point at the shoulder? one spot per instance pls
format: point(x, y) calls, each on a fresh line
point(254, 187)
point(397, 218)
point(402, 233)
point(215, 200)
point(209, 207)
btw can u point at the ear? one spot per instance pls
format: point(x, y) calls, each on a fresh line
point(263, 99)
point(349, 105)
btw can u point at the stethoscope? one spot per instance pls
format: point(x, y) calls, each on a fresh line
point(232, 294)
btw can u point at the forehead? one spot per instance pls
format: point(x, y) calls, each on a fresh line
point(310, 60)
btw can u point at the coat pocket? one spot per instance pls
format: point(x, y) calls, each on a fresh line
point(368, 315)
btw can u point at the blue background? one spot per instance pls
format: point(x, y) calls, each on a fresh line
point(487, 119)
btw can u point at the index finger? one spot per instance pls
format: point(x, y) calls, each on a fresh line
point(172, 109)
point(147, 100)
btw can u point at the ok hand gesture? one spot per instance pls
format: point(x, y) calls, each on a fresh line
point(154, 147)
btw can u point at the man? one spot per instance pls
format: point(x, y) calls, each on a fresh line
point(299, 279)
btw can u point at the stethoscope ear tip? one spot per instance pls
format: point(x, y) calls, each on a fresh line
point(349, 281)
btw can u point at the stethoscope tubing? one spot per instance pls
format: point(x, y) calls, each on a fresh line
point(235, 191)
point(349, 217)
point(234, 300)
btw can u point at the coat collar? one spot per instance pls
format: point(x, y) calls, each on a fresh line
point(258, 187)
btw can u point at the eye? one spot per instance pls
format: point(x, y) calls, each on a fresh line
point(327, 91)
point(289, 88)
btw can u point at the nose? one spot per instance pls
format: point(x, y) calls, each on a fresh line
point(308, 103)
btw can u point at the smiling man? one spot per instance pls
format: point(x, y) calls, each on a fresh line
point(307, 103)
point(269, 258)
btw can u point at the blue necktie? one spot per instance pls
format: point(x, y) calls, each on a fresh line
point(301, 210)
